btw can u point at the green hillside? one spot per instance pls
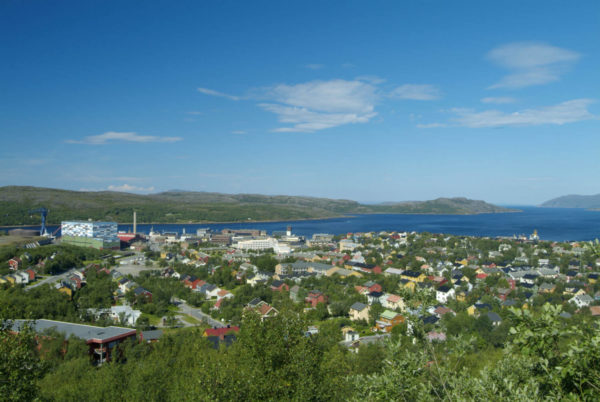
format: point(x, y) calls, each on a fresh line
point(184, 206)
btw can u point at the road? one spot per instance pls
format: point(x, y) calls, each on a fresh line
point(51, 279)
point(198, 314)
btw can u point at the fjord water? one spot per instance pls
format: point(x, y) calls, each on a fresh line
point(560, 224)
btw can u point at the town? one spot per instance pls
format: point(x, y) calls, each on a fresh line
point(369, 286)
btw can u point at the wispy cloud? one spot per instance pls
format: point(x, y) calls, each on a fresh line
point(416, 92)
point(113, 136)
point(130, 189)
point(498, 100)
point(314, 66)
point(432, 125)
point(373, 79)
point(211, 92)
point(531, 63)
point(563, 113)
point(319, 105)
point(238, 132)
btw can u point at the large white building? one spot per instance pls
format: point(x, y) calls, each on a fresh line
point(90, 234)
point(263, 244)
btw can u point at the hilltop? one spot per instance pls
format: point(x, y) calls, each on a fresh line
point(179, 206)
point(574, 201)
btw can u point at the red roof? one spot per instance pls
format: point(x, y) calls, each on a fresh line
point(220, 332)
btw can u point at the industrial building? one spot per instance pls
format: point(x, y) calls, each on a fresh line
point(100, 235)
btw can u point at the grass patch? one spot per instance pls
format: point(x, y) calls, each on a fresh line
point(189, 319)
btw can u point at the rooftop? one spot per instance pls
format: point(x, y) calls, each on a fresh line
point(88, 333)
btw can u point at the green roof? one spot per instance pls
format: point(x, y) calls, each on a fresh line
point(388, 314)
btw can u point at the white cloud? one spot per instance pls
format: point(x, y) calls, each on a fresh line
point(314, 66)
point(499, 100)
point(211, 92)
point(130, 189)
point(432, 125)
point(563, 113)
point(238, 132)
point(531, 63)
point(373, 79)
point(318, 105)
point(113, 136)
point(305, 120)
point(416, 92)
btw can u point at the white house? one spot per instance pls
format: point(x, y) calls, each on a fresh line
point(443, 293)
point(581, 300)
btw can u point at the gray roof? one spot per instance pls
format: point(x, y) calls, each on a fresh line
point(358, 306)
point(82, 331)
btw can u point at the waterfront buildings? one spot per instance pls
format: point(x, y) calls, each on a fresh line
point(100, 235)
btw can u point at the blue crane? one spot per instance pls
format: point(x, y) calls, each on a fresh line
point(44, 213)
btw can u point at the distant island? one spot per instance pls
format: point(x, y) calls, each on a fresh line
point(574, 201)
point(179, 206)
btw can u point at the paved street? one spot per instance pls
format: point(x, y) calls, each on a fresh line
point(198, 314)
point(51, 279)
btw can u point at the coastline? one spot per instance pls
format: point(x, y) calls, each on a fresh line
point(349, 215)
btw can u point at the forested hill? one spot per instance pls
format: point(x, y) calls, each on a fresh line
point(187, 206)
point(574, 201)
point(441, 206)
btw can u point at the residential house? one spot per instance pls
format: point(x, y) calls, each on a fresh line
point(31, 273)
point(372, 286)
point(278, 286)
point(413, 276)
point(359, 311)
point(547, 288)
point(262, 308)
point(393, 272)
point(342, 272)
point(582, 300)
point(387, 320)
point(221, 332)
point(494, 318)
point(374, 297)
point(393, 302)
point(444, 293)
point(22, 277)
point(315, 297)
point(141, 292)
point(15, 263)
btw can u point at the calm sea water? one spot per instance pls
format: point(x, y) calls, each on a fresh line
point(559, 224)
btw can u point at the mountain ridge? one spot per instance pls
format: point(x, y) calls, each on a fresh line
point(574, 201)
point(201, 207)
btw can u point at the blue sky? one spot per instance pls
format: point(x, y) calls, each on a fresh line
point(371, 101)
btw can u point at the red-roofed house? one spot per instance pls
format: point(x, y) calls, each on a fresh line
point(220, 332)
point(31, 274)
point(224, 294)
point(14, 263)
point(315, 297)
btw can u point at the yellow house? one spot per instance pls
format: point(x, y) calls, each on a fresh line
point(413, 276)
point(463, 262)
point(66, 291)
point(410, 285)
point(471, 310)
point(163, 254)
point(342, 272)
point(359, 311)
point(10, 279)
point(2, 280)
point(461, 296)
